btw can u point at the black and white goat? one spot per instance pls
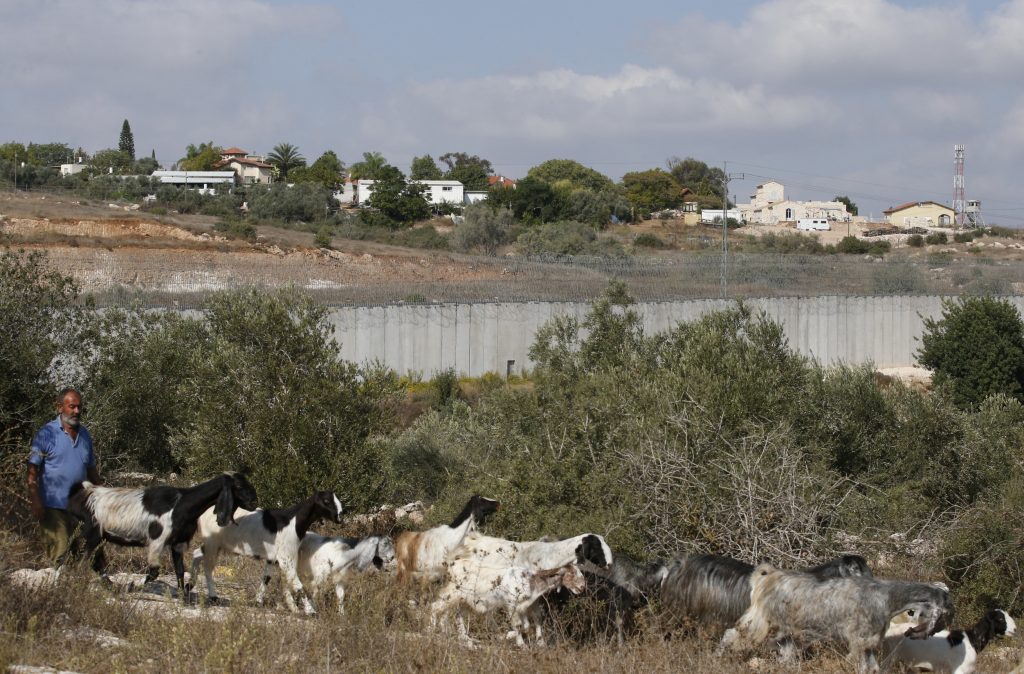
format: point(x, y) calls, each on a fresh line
point(514, 590)
point(854, 611)
point(327, 560)
point(607, 607)
point(481, 562)
point(715, 590)
point(423, 554)
point(950, 652)
point(155, 517)
point(270, 535)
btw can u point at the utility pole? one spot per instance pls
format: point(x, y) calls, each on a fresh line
point(725, 232)
point(724, 283)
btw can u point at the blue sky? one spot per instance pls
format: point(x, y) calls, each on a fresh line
point(857, 97)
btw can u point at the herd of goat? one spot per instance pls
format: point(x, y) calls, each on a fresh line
point(879, 622)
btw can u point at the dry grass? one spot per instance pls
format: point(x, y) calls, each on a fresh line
point(81, 626)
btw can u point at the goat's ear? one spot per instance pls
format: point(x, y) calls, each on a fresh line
point(225, 507)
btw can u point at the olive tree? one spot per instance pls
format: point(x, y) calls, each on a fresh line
point(976, 349)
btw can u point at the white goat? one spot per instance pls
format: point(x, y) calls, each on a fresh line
point(482, 561)
point(953, 652)
point(271, 535)
point(516, 590)
point(327, 560)
point(423, 554)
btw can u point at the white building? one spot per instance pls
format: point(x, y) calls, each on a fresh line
point(205, 182)
point(769, 206)
point(71, 169)
point(435, 191)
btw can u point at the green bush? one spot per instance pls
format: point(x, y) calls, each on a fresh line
point(262, 385)
point(322, 239)
point(976, 348)
point(565, 238)
point(851, 245)
point(42, 329)
point(915, 241)
point(236, 229)
point(788, 242)
point(307, 201)
point(483, 229)
point(936, 238)
point(963, 237)
point(648, 240)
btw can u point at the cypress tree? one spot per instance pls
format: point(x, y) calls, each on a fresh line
point(127, 142)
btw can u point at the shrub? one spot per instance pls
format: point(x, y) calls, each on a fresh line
point(647, 240)
point(936, 238)
point(915, 241)
point(899, 279)
point(788, 242)
point(305, 201)
point(322, 239)
point(266, 388)
point(482, 229)
point(851, 245)
point(41, 329)
point(236, 229)
point(976, 348)
point(420, 237)
point(565, 238)
point(963, 237)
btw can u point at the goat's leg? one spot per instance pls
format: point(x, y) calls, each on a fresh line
point(93, 545)
point(153, 551)
point(209, 557)
point(261, 591)
point(339, 592)
point(294, 585)
point(178, 558)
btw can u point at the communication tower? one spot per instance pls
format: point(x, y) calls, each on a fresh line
point(958, 186)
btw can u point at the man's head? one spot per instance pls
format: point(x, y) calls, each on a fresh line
point(69, 403)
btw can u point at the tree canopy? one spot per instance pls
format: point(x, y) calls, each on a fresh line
point(200, 157)
point(398, 200)
point(704, 181)
point(285, 157)
point(470, 170)
point(577, 175)
point(126, 143)
point(976, 348)
point(327, 170)
point(425, 168)
point(851, 207)
point(371, 167)
point(652, 190)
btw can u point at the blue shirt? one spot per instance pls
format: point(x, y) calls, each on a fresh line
point(62, 461)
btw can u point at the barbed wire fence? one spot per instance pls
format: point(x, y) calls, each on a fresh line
point(466, 279)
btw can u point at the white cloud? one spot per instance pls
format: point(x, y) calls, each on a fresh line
point(839, 45)
point(558, 104)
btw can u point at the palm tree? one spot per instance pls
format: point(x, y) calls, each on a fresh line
point(371, 167)
point(286, 157)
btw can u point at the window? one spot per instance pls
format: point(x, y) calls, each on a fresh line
point(789, 213)
point(446, 188)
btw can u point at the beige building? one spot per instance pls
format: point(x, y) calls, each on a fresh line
point(920, 214)
point(769, 206)
point(249, 168)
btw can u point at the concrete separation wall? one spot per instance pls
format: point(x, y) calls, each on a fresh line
point(479, 338)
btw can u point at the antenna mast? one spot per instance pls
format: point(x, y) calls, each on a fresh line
point(958, 186)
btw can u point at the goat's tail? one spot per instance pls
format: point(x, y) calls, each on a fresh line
point(80, 486)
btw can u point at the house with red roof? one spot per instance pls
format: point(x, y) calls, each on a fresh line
point(250, 169)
